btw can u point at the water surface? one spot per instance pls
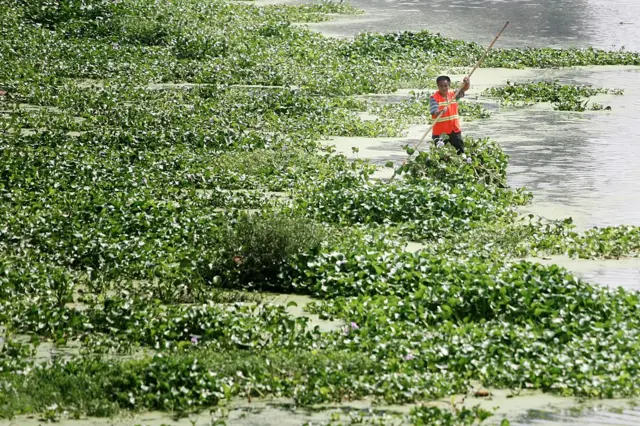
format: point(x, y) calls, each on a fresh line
point(604, 24)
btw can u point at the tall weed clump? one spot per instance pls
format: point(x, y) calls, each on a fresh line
point(259, 247)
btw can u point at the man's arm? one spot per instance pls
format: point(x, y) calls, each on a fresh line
point(433, 107)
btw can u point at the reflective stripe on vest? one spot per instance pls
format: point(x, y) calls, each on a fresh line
point(445, 103)
point(449, 122)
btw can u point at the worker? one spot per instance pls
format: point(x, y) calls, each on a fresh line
point(449, 122)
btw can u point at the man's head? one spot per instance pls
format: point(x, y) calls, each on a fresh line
point(443, 82)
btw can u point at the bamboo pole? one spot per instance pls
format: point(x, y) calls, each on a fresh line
point(455, 96)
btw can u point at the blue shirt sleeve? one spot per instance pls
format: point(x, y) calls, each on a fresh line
point(433, 106)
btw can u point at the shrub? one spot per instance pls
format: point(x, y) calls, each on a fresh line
point(200, 44)
point(258, 248)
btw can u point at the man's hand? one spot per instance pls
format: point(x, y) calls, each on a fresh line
point(466, 84)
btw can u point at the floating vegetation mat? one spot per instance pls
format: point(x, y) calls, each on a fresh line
point(161, 167)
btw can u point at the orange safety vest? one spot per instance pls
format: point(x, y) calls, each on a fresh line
point(449, 122)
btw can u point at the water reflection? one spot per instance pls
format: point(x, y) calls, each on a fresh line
point(604, 417)
point(541, 23)
point(585, 163)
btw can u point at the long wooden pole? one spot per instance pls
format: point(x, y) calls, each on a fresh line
point(455, 96)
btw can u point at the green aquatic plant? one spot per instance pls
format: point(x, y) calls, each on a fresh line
point(483, 162)
point(158, 159)
point(426, 415)
point(432, 46)
point(563, 97)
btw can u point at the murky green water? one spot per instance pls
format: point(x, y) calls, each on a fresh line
point(586, 164)
point(601, 417)
point(530, 410)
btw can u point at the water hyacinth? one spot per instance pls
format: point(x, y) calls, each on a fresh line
point(351, 327)
point(149, 191)
point(564, 97)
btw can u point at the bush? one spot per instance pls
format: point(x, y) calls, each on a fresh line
point(146, 32)
point(259, 247)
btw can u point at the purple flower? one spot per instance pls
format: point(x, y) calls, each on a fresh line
point(347, 329)
point(409, 357)
point(468, 160)
point(440, 144)
point(194, 340)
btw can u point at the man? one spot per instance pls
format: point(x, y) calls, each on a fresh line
point(449, 123)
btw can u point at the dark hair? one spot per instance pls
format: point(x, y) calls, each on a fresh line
point(443, 78)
